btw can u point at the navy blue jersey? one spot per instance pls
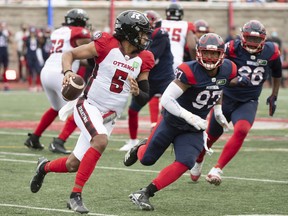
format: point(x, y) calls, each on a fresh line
point(160, 47)
point(162, 73)
point(204, 90)
point(256, 66)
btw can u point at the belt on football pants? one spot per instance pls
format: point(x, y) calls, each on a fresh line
point(109, 116)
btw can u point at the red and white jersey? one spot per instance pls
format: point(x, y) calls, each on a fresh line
point(64, 39)
point(177, 33)
point(109, 88)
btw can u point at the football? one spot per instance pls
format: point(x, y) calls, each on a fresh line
point(74, 89)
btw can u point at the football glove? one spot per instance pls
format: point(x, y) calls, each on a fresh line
point(194, 120)
point(243, 81)
point(220, 118)
point(271, 101)
point(197, 122)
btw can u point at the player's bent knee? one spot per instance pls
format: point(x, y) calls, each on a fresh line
point(72, 164)
point(148, 161)
point(99, 142)
point(242, 128)
point(189, 162)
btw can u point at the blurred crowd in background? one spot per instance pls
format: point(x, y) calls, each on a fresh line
point(31, 46)
point(65, 1)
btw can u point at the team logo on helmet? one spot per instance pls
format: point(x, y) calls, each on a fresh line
point(130, 25)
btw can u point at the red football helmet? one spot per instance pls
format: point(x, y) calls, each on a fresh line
point(253, 36)
point(210, 51)
point(153, 17)
point(201, 26)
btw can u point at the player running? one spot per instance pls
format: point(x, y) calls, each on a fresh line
point(255, 59)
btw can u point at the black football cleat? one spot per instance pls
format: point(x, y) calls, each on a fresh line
point(37, 180)
point(76, 204)
point(131, 156)
point(57, 146)
point(33, 142)
point(141, 199)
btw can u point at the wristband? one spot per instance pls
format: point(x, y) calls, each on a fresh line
point(67, 71)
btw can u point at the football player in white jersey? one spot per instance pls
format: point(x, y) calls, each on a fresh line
point(72, 34)
point(123, 66)
point(180, 33)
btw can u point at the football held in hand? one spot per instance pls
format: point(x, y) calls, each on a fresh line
point(74, 89)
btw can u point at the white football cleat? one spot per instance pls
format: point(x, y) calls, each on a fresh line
point(214, 176)
point(195, 172)
point(129, 144)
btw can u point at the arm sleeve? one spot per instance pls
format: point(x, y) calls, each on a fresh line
point(168, 99)
point(143, 96)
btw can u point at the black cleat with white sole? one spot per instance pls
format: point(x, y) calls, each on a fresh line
point(131, 156)
point(33, 142)
point(37, 180)
point(57, 146)
point(76, 204)
point(141, 199)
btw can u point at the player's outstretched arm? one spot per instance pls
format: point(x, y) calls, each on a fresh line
point(85, 51)
point(169, 102)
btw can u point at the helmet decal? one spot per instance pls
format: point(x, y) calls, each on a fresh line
point(130, 25)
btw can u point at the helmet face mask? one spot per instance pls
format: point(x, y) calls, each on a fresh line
point(174, 12)
point(134, 27)
point(210, 51)
point(253, 36)
point(76, 17)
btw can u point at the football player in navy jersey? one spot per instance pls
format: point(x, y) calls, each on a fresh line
point(254, 58)
point(159, 78)
point(186, 101)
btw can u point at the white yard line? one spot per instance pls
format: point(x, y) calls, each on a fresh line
point(258, 215)
point(155, 171)
point(49, 209)
point(73, 136)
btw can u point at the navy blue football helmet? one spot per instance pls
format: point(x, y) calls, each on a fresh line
point(210, 51)
point(253, 36)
